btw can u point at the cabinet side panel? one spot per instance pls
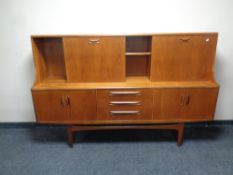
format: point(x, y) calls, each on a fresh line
point(36, 57)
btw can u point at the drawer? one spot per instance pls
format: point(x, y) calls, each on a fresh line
point(122, 104)
point(124, 94)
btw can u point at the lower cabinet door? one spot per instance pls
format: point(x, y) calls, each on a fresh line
point(64, 107)
point(200, 103)
point(168, 104)
point(191, 104)
point(82, 105)
point(50, 107)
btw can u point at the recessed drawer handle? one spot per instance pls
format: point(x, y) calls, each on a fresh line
point(185, 39)
point(125, 103)
point(114, 113)
point(94, 41)
point(125, 93)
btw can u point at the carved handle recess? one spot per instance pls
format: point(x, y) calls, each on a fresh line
point(93, 41)
point(67, 100)
point(187, 100)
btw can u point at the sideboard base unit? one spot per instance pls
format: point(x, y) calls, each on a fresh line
point(179, 127)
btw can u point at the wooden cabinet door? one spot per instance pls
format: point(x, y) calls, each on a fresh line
point(82, 105)
point(95, 59)
point(200, 103)
point(50, 107)
point(183, 57)
point(168, 104)
point(197, 104)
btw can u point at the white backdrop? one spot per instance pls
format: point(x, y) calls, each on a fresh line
point(21, 18)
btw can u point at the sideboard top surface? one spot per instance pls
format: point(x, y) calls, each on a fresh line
point(128, 85)
point(136, 34)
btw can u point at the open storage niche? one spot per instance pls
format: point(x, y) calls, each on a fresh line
point(51, 59)
point(138, 51)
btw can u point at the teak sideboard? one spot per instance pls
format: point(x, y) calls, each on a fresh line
point(100, 82)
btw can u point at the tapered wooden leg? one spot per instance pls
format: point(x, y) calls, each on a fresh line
point(180, 134)
point(70, 137)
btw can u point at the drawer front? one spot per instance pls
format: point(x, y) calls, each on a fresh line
point(124, 94)
point(125, 104)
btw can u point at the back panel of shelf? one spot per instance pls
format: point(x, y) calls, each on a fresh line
point(137, 66)
point(138, 44)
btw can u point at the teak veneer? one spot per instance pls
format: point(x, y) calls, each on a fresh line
point(103, 82)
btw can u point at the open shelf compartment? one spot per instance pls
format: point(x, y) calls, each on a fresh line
point(138, 44)
point(138, 56)
point(51, 59)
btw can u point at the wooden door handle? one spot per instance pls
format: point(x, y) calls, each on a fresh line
point(62, 101)
point(182, 99)
point(67, 100)
point(187, 101)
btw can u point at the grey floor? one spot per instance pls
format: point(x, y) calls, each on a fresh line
point(43, 150)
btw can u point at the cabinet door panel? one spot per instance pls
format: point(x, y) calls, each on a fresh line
point(82, 104)
point(168, 104)
point(95, 59)
point(201, 103)
point(185, 104)
point(183, 57)
point(50, 107)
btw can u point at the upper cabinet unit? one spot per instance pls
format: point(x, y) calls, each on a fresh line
point(95, 59)
point(146, 58)
point(183, 57)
